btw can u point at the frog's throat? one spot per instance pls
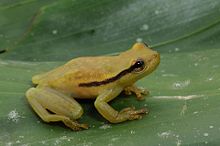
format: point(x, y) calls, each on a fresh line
point(108, 80)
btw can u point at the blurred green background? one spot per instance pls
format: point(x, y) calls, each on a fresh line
point(38, 35)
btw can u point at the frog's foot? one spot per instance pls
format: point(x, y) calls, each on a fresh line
point(138, 91)
point(74, 125)
point(112, 115)
point(131, 114)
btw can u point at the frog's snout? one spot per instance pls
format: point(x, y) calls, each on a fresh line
point(154, 60)
point(156, 55)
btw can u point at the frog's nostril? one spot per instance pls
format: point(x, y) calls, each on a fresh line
point(156, 55)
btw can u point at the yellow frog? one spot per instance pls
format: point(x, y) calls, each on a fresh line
point(101, 78)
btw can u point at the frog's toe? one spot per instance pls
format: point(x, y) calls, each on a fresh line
point(139, 96)
point(133, 114)
point(84, 126)
point(74, 125)
point(127, 92)
point(140, 92)
point(144, 91)
point(139, 113)
point(80, 127)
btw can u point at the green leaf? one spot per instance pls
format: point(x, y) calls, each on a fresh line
point(184, 104)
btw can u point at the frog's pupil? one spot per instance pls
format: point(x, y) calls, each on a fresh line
point(139, 63)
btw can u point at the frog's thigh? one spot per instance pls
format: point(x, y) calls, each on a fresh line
point(56, 102)
point(65, 109)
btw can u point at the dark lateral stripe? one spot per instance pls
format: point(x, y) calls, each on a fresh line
point(109, 80)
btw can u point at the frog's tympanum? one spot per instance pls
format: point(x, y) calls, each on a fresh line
point(101, 78)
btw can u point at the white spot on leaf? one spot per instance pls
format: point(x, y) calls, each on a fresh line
point(54, 31)
point(132, 132)
point(165, 134)
point(181, 84)
point(210, 79)
point(177, 49)
point(139, 40)
point(14, 116)
point(205, 134)
point(105, 126)
point(196, 64)
point(157, 12)
point(115, 139)
point(196, 112)
point(144, 27)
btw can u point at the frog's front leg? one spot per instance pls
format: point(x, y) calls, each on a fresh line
point(63, 108)
point(138, 91)
point(111, 114)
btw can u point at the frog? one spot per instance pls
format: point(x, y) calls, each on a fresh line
point(56, 95)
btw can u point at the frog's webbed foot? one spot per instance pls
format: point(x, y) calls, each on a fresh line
point(62, 108)
point(138, 91)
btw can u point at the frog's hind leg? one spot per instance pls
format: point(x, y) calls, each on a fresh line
point(61, 107)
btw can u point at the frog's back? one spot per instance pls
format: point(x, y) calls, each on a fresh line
point(79, 70)
point(54, 74)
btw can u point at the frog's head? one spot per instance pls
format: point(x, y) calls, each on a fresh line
point(140, 61)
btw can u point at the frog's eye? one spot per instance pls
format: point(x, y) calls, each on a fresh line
point(139, 65)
